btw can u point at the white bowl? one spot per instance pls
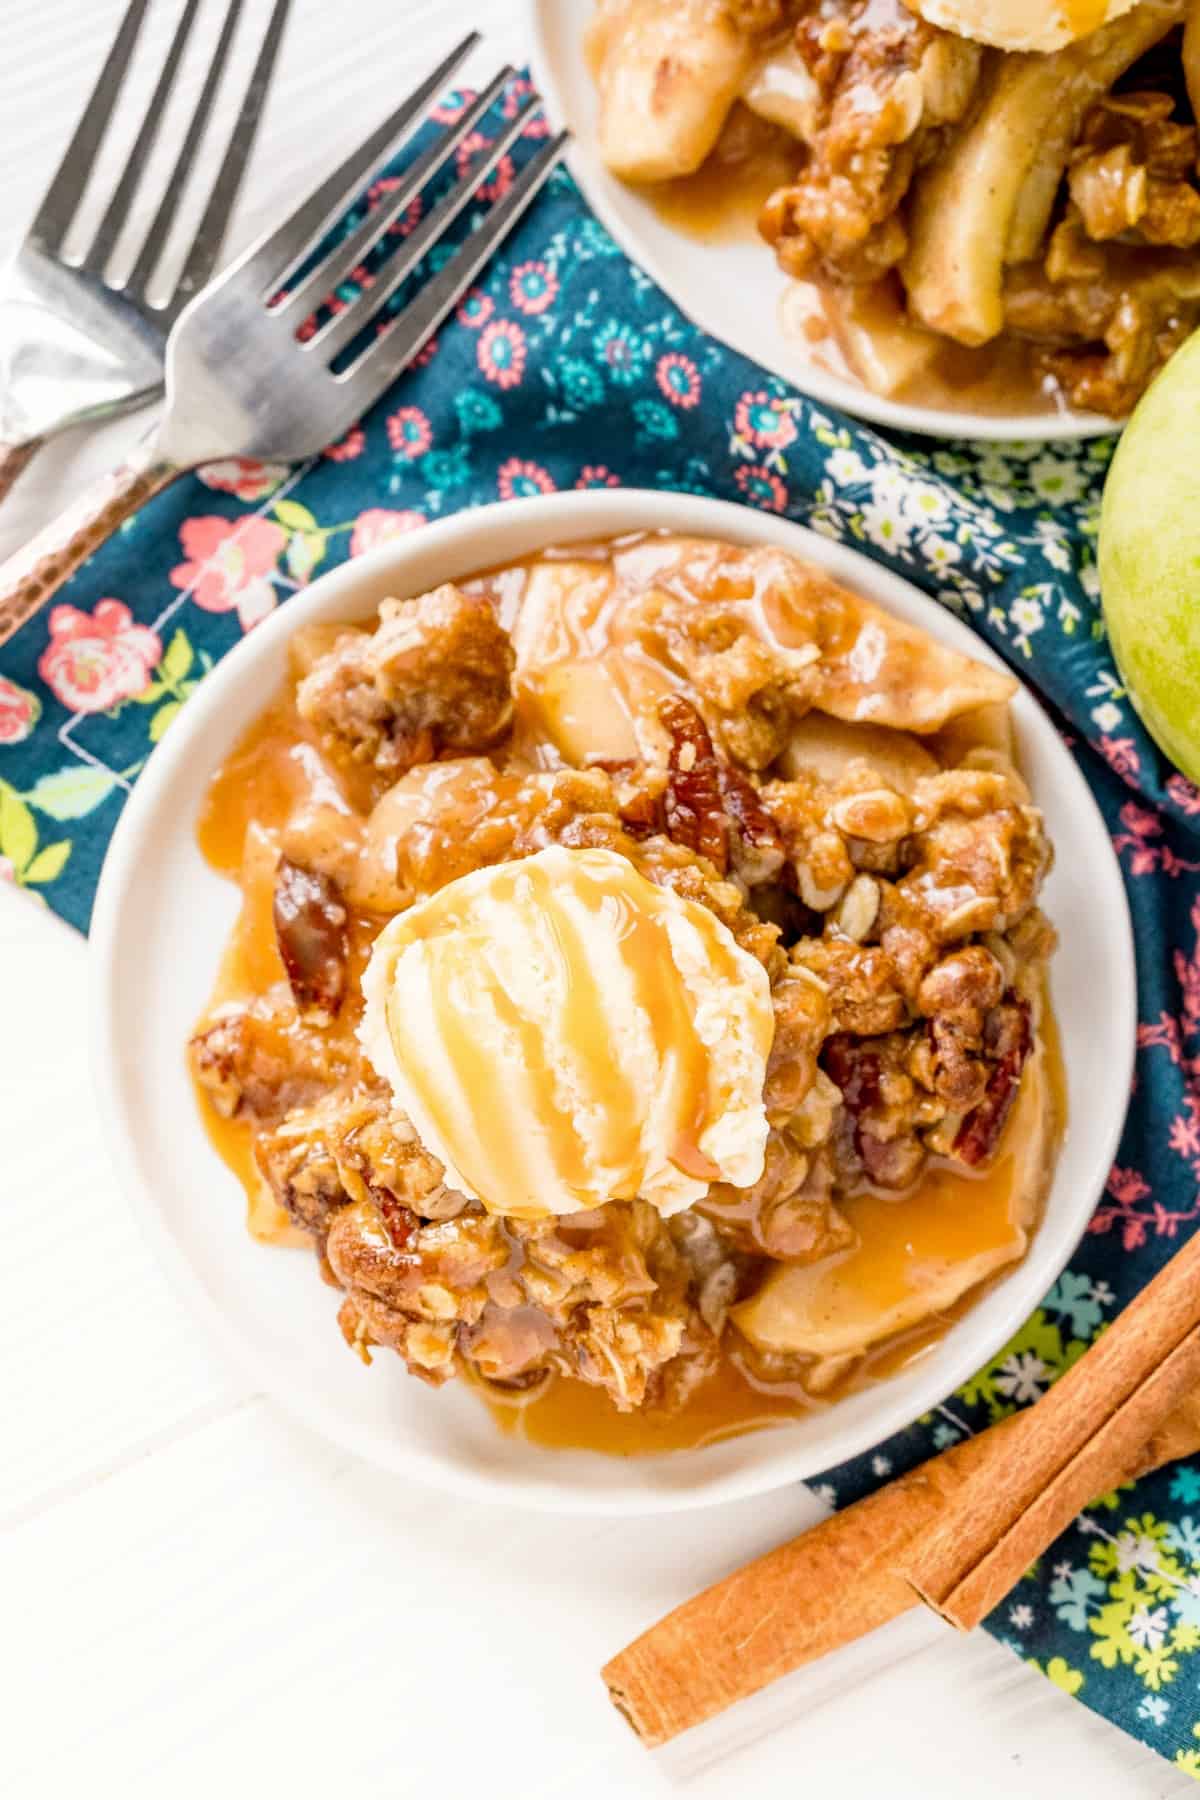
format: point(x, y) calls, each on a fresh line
point(162, 917)
point(732, 290)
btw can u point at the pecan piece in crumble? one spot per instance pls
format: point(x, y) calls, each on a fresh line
point(310, 929)
point(711, 807)
point(980, 1132)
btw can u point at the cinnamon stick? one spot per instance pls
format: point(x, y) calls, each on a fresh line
point(1064, 1450)
point(829, 1587)
point(797, 1603)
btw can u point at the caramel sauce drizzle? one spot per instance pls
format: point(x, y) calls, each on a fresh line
point(276, 768)
point(467, 989)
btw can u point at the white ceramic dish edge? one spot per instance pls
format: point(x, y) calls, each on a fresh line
point(132, 1088)
point(554, 28)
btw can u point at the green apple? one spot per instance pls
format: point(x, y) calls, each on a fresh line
point(1150, 558)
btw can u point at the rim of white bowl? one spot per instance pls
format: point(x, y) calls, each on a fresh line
point(602, 192)
point(459, 541)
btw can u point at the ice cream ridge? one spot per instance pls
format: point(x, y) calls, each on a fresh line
point(563, 1032)
point(1021, 24)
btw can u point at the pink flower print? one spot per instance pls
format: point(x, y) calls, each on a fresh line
point(474, 309)
point(533, 287)
point(678, 380)
point(516, 94)
point(1126, 1186)
point(1185, 794)
point(500, 353)
point(409, 433)
point(501, 179)
point(595, 475)
point(19, 712)
point(96, 660)
point(242, 476)
point(761, 488)
point(1128, 1189)
point(229, 565)
point(409, 218)
point(1163, 1034)
point(453, 106)
point(426, 354)
point(1121, 755)
point(1141, 828)
point(1139, 842)
point(378, 526)
point(1184, 1137)
point(1140, 821)
point(518, 480)
point(764, 422)
point(352, 445)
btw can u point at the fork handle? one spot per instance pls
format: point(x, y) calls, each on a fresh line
point(38, 570)
point(14, 460)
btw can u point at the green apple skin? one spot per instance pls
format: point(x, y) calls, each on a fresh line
point(1150, 558)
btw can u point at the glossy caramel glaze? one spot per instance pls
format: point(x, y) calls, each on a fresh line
point(859, 334)
point(278, 768)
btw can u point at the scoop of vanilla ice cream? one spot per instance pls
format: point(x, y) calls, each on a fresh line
point(562, 1032)
point(1021, 24)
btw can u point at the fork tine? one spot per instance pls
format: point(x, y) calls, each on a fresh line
point(61, 199)
point(117, 211)
point(382, 361)
point(277, 254)
point(347, 325)
point(152, 248)
point(206, 245)
point(347, 255)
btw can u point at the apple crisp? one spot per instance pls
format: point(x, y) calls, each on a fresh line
point(837, 793)
point(999, 223)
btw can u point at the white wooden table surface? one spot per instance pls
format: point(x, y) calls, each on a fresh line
point(196, 1596)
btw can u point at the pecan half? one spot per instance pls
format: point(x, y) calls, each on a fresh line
point(981, 1130)
point(854, 1069)
point(694, 812)
point(310, 929)
point(710, 806)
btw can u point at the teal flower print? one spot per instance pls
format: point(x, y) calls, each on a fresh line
point(623, 351)
point(1071, 1593)
point(591, 239)
point(447, 468)
point(1185, 1485)
point(477, 412)
point(655, 421)
point(582, 385)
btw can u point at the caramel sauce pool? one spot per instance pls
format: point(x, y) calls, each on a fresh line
point(272, 771)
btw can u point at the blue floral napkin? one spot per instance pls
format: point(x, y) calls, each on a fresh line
point(568, 368)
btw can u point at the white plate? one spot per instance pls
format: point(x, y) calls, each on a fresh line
point(162, 917)
point(733, 290)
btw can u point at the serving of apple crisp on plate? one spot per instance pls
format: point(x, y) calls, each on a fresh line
point(977, 207)
point(638, 994)
point(603, 943)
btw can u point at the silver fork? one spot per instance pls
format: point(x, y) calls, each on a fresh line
point(74, 343)
point(240, 382)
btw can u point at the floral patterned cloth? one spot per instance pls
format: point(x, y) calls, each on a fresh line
point(567, 368)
